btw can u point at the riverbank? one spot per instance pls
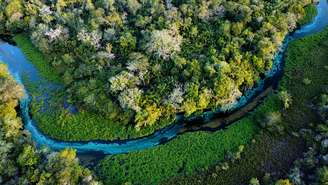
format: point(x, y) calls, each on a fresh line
point(84, 126)
point(183, 155)
point(306, 61)
point(94, 145)
point(270, 153)
point(66, 126)
point(310, 13)
point(89, 126)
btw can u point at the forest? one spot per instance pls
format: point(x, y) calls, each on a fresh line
point(128, 67)
point(139, 62)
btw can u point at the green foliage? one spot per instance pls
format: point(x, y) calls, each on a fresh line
point(34, 55)
point(310, 13)
point(283, 182)
point(20, 161)
point(307, 81)
point(182, 155)
point(305, 58)
point(254, 181)
point(322, 175)
point(272, 122)
point(221, 46)
point(28, 157)
point(286, 99)
point(14, 12)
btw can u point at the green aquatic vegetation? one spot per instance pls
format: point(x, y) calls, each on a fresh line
point(184, 155)
point(310, 13)
point(21, 161)
point(37, 58)
point(59, 123)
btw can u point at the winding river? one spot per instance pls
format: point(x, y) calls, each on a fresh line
point(19, 66)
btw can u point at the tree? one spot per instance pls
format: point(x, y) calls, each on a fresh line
point(130, 99)
point(139, 65)
point(283, 182)
point(28, 157)
point(133, 6)
point(286, 99)
point(176, 97)
point(226, 92)
point(254, 181)
point(128, 43)
point(93, 38)
point(122, 81)
point(14, 10)
point(164, 43)
point(205, 98)
point(189, 107)
point(148, 115)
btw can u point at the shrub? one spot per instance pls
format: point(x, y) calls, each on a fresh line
point(283, 182)
point(254, 181)
point(286, 99)
point(322, 176)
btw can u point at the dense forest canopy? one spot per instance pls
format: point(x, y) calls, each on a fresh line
point(144, 60)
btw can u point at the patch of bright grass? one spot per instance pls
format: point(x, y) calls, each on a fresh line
point(183, 155)
point(36, 57)
point(59, 123)
point(310, 13)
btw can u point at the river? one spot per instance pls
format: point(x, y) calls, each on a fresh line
point(19, 66)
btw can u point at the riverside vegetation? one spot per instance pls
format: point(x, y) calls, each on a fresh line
point(26, 164)
point(273, 152)
point(193, 151)
point(130, 66)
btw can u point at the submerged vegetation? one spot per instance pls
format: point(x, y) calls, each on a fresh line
point(38, 59)
point(20, 161)
point(138, 63)
point(311, 12)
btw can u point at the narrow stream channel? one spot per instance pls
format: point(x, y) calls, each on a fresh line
point(19, 66)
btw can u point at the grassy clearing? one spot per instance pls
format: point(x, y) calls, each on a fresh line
point(59, 123)
point(310, 13)
point(306, 58)
point(185, 154)
point(36, 57)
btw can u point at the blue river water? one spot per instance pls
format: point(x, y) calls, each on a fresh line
point(20, 67)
